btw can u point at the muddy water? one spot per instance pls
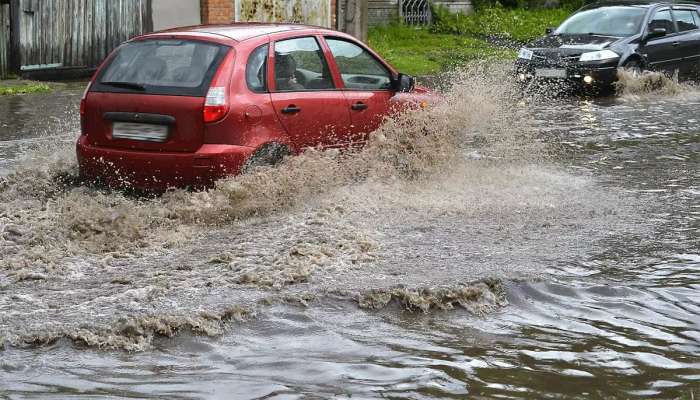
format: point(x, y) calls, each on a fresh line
point(541, 249)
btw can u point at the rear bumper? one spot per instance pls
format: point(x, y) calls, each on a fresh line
point(156, 171)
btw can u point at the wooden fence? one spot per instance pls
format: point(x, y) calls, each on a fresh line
point(4, 40)
point(77, 33)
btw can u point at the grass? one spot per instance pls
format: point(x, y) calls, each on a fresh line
point(520, 25)
point(22, 88)
point(456, 39)
point(421, 52)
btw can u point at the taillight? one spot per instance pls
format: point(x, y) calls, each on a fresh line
point(83, 100)
point(216, 104)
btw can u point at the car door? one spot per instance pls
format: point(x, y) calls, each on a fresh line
point(662, 52)
point(366, 85)
point(311, 108)
point(688, 21)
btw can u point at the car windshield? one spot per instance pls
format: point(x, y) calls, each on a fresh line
point(605, 21)
point(180, 67)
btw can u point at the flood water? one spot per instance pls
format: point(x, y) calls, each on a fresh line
point(576, 276)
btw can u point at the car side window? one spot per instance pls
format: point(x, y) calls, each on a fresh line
point(300, 65)
point(662, 19)
point(256, 70)
point(358, 68)
point(686, 20)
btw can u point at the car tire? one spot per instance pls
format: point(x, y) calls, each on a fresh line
point(634, 67)
point(267, 155)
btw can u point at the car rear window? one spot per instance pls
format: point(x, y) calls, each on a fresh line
point(166, 67)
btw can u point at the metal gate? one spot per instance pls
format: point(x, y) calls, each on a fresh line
point(415, 12)
point(5, 43)
point(312, 12)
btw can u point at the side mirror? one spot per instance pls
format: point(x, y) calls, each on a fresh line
point(404, 83)
point(655, 33)
point(548, 30)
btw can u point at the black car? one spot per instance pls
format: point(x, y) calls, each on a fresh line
point(587, 49)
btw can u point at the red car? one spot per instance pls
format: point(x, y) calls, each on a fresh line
point(185, 107)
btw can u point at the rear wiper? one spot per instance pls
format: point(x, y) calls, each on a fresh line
point(127, 85)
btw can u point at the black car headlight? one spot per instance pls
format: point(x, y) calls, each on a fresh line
point(602, 55)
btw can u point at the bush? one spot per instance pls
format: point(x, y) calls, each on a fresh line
point(520, 24)
point(530, 4)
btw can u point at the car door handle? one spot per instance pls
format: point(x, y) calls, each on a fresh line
point(676, 44)
point(291, 109)
point(359, 106)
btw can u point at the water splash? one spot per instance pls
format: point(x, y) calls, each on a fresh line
point(470, 169)
point(633, 86)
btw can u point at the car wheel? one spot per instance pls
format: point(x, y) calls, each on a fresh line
point(267, 155)
point(634, 67)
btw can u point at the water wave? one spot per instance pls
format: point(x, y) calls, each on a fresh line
point(438, 201)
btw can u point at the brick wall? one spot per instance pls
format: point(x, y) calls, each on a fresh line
point(217, 11)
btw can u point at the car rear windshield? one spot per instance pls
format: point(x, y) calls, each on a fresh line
point(167, 67)
point(618, 21)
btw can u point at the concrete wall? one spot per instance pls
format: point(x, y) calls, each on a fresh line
point(312, 12)
point(174, 13)
point(456, 6)
point(382, 12)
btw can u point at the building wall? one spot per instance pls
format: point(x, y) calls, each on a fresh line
point(217, 11)
point(314, 12)
point(456, 6)
point(173, 13)
point(382, 12)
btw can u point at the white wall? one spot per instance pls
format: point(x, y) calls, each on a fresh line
point(174, 13)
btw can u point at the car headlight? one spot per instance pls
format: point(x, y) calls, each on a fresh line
point(525, 54)
point(598, 55)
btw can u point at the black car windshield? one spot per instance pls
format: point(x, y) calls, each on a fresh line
point(604, 21)
point(175, 67)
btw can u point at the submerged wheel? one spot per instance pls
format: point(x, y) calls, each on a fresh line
point(634, 67)
point(267, 155)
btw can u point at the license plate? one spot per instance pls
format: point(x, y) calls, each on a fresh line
point(138, 131)
point(550, 73)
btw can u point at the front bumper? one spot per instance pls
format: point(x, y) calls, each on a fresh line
point(580, 75)
point(155, 171)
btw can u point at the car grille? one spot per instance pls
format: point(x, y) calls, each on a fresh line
point(554, 59)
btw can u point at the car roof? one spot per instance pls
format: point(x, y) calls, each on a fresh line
point(240, 31)
point(640, 3)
